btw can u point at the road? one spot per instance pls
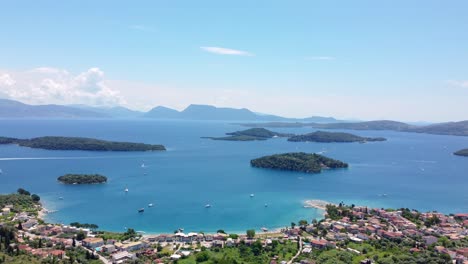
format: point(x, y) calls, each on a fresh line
point(298, 252)
point(101, 258)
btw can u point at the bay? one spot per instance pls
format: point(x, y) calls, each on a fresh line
point(409, 170)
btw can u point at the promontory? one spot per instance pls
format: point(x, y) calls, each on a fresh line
point(82, 179)
point(298, 161)
point(463, 152)
point(79, 143)
point(329, 137)
point(250, 135)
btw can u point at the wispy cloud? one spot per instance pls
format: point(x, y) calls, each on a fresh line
point(226, 51)
point(324, 58)
point(458, 83)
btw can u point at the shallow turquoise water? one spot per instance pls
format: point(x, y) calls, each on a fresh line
point(414, 170)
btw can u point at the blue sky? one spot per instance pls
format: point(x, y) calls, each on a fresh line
point(404, 60)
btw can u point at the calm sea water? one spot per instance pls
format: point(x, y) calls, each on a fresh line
point(413, 170)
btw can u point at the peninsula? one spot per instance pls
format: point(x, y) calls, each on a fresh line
point(251, 135)
point(328, 137)
point(80, 143)
point(82, 179)
point(299, 161)
point(463, 152)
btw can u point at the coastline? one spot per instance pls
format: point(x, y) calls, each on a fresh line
point(317, 204)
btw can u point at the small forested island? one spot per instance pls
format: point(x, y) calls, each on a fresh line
point(463, 152)
point(299, 161)
point(251, 134)
point(329, 137)
point(79, 143)
point(82, 179)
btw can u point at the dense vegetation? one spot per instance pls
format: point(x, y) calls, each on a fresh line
point(303, 162)
point(78, 143)
point(323, 136)
point(21, 201)
point(463, 152)
point(237, 138)
point(258, 132)
point(243, 253)
point(251, 134)
point(82, 179)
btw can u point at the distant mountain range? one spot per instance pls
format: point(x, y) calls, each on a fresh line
point(449, 128)
point(15, 109)
point(208, 112)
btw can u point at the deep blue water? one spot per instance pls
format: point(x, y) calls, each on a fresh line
point(414, 170)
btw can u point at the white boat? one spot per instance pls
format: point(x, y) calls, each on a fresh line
point(264, 229)
point(126, 189)
point(150, 205)
point(143, 165)
point(208, 206)
point(266, 205)
point(252, 195)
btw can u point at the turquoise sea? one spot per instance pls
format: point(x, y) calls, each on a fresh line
point(413, 170)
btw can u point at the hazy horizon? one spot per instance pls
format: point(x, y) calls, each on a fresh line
point(402, 60)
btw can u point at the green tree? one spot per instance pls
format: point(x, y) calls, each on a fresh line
point(250, 233)
point(302, 222)
point(23, 192)
point(36, 198)
point(202, 256)
point(80, 236)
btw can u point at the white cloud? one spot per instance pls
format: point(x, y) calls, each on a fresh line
point(46, 85)
point(320, 58)
point(6, 80)
point(459, 84)
point(226, 51)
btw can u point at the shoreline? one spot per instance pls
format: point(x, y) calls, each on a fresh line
point(317, 204)
point(312, 203)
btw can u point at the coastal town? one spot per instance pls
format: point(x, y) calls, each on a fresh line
point(346, 234)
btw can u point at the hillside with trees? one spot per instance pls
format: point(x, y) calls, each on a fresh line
point(328, 137)
point(251, 135)
point(82, 179)
point(80, 143)
point(299, 161)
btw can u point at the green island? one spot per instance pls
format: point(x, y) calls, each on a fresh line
point(346, 234)
point(80, 143)
point(82, 179)
point(299, 161)
point(463, 152)
point(251, 135)
point(328, 137)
